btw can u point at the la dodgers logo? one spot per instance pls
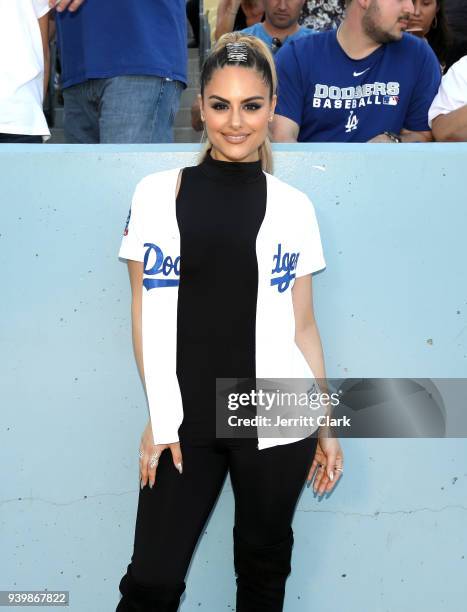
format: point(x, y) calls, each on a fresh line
point(163, 267)
point(352, 122)
point(285, 264)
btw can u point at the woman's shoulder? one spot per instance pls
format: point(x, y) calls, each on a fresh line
point(281, 189)
point(159, 179)
point(156, 188)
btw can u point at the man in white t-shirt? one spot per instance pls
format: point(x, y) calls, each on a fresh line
point(24, 71)
point(24, 48)
point(448, 112)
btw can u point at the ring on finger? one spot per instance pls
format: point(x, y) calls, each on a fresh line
point(141, 453)
point(154, 460)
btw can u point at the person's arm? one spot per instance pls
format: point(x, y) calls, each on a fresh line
point(226, 14)
point(132, 249)
point(307, 336)
point(135, 271)
point(451, 127)
point(284, 129)
point(328, 450)
point(44, 28)
point(288, 112)
point(411, 136)
point(416, 127)
point(405, 136)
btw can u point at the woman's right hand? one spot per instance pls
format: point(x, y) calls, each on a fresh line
point(150, 454)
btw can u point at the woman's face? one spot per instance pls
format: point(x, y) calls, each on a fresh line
point(423, 16)
point(237, 110)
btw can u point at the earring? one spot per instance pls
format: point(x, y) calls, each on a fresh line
point(434, 23)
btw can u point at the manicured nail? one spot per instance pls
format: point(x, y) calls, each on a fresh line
point(151, 484)
point(308, 483)
point(179, 467)
point(331, 475)
point(142, 484)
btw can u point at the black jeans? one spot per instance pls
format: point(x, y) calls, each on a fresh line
point(19, 138)
point(172, 515)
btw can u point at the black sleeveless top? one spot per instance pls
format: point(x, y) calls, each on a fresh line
point(220, 208)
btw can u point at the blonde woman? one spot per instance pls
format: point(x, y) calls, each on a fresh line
point(220, 257)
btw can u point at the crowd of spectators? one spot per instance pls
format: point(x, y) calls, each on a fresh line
point(349, 70)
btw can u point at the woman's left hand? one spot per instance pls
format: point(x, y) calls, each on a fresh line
point(328, 463)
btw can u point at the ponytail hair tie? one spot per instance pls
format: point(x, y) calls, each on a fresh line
point(237, 52)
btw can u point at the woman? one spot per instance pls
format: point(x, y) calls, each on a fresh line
point(206, 305)
point(429, 21)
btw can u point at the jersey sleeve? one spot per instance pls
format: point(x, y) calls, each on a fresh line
point(132, 245)
point(290, 84)
point(311, 258)
point(425, 89)
point(41, 7)
point(452, 93)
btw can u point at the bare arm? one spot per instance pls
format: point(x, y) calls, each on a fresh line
point(226, 14)
point(135, 271)
point(409, 136)
point(44, 28)
point(284, 129)
point(307, 336)
point(405, 136)
point(451, 127)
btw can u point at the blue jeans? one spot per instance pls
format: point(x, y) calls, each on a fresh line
point(123, 110)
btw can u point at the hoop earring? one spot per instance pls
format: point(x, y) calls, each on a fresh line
point(434, 23)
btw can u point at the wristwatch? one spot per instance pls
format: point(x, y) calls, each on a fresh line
point(393, 137)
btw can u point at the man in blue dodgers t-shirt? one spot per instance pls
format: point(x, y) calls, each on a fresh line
point(124, 67)
point(369, 81)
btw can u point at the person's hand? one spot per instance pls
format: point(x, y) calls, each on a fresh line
point(150, 454)
point(380, 138)
point(328, 463)
point(62, 5)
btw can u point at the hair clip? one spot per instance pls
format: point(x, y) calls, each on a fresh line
point(237, 52)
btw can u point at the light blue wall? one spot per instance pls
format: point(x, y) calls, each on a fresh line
point(391, 538)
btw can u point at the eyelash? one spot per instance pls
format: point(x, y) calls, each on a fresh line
point(252, 106)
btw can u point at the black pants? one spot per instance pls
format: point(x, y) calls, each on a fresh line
point(172, 515)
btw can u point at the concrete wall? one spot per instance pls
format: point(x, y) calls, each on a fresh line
point(392, 302)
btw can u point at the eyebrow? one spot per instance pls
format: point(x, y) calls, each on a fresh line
point(245, 100)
